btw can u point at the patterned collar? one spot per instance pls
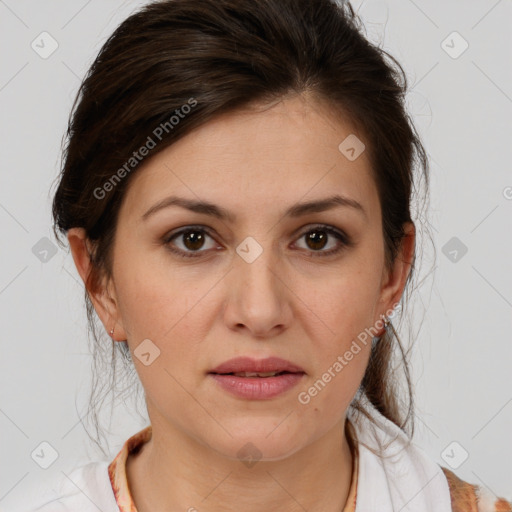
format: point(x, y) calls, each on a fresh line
point(119, 481)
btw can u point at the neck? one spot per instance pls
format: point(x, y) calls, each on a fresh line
point(174, 472)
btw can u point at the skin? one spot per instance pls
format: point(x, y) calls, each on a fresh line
point(290, 303)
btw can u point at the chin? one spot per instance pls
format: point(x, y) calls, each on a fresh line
point(265, 440)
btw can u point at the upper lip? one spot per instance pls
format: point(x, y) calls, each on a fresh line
point(247, 364)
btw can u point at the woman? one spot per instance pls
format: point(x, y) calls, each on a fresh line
point(236, 195)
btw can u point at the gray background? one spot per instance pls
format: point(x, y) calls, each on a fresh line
point(461, 105)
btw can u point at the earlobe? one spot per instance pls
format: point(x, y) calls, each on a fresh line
point(394, 281)
point(104, 304)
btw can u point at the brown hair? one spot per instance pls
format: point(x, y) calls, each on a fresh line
point(217, 56)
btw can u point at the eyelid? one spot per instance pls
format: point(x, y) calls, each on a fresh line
point(167, 239)
point(345, 240)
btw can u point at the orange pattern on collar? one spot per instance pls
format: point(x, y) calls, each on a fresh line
point(117, 470)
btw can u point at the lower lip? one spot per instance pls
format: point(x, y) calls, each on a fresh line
point(257, 388)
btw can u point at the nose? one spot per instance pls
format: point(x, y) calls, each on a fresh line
point(258, 295)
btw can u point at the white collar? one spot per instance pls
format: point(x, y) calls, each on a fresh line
point(403, 478)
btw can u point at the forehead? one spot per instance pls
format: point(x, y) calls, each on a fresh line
point(258, 158)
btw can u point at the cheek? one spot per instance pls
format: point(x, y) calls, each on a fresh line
point(329, 390)
point(173, 317)
point(157, 300)
point(337, 315)
point(339, 307)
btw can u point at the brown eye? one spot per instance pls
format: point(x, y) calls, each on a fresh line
point(189, 242)
point(320, 237)
point(316, 239)
point(193, 240)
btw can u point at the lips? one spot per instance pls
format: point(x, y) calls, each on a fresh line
point(264, 368)
point(257, 379)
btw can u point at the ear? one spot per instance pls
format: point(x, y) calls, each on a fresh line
point(394, 279)
point(104, 298)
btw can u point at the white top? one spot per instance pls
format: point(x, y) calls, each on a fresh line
point(92, 492)
point(404, 478)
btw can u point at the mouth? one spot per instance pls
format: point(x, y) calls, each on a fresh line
point(263, 375)
point(261, 368)
point(257, 379)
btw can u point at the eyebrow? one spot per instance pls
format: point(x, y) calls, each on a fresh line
point(221, 213)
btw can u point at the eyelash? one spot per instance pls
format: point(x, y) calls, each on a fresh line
point(344, 240)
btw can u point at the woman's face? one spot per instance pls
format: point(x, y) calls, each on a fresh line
point(260, 282)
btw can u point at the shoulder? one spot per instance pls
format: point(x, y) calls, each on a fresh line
point(86, 488)
point(466, 497)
